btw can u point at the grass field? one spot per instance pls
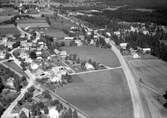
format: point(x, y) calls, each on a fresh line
point(4, 18)
point(58, 34)
point(104, 56)
point(61, 23)
point(8, 29)
point(101, 95)
point(153, 72)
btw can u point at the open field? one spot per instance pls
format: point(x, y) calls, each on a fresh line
point(101, 95)
point(58, 34)
point(60, 23)
point(4, 18)
point(153, 72)
point(8, 29)
point(104, 56)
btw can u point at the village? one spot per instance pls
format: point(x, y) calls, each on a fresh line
point(49, 56)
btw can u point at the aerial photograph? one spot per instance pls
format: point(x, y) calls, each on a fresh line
point(83, 58)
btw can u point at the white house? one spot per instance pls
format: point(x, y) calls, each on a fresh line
point(135, 56)
point(145, 32)
point(68, 38)
point(108, 34)
point(63, 54)
point(10, 82)
point(89, 66)
point(56, 78)
point(78, 42)
point(53, 113)
point(26, 111)
point(56, 51)
point(117, 33)
point(34, 66)
point(123, 45)
point(2, 54)
point(107, 40)
point(146, 50)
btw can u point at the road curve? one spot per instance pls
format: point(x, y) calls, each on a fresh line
point(135, 96)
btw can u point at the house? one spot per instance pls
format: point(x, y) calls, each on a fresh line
point(63, 54)
point(2, 54)
point(117, 33)
point(38, 53)
point(10, 44)
point(145, 32)
point(34, 66)
point(78, 42)
point(68, 38)
point(53, 113)
point(4, 41)
point(26, 111)
point(123, 45)
point(24, 55)
point(108, 34)
point(89, 66)
point(56, 78)
point(107, 40)
point(135, 56)
point(92, 42)
point(56, 51)
point(10, 83)
point(146, 50)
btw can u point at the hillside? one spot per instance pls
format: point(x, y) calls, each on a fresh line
point(137, 3)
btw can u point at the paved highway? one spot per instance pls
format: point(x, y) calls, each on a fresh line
point(135, 96)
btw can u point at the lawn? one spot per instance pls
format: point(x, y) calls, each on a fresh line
point(153, 72)
point(103, 56)
point(8, 29)
point(101, 95)
point(58, 34)
point(60, 23)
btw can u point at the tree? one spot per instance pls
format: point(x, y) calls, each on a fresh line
point(75, 114)
point(17, 84)
point(54, 102)
point(17, 44)
point(31, 89)
point(90, 61)
point(22, 115)
point(46, 110)
point(47, 95)
point(74, 57)
point(78, 60)
point(1, 85)
point(165, 95)
point(33, 55)
point(69, 113)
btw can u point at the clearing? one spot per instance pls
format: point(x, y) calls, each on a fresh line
point(101, 95)
point(103, 56)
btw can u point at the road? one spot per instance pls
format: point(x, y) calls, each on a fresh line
point(7, 112)
point(81, 114)
point(135, 96)
point(95, 71)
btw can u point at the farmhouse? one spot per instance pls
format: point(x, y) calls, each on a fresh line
point(89, 66)
point(146, 50)
point(68, 38)
point(34, 66)
point(53, 113)
point(123, 45)
point(2, 54)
